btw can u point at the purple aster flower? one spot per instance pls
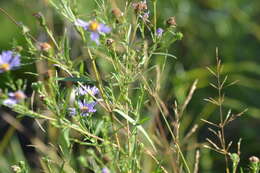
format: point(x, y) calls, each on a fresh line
point(84, 90)
point(105, 170)
point(84, 108)
point(14, 98)
point(9, 60)
point(159, 32)
point(145, 16)
point(94, 28)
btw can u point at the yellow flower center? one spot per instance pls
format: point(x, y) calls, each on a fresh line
point(5, 67)
point(84, 108)
point(94, 26)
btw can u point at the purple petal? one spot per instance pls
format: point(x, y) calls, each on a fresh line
point(15, 61)
point(105, 170)
point(84, 90)
point(159, 32)
point(81, 104)
point(82, 23)
point(94, 90)
point(6, 56)
point(94, 36)
point(91, 107)
point(9, 58)
point(72, 111)
point(11, 94)
point(80, 91)
point(10, 101)
point(103, 28)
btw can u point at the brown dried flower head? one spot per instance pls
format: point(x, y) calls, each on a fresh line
point(109, 42)
point(44, 46)
point(171, 22)
point(140, 6)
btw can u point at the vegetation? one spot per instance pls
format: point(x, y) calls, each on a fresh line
point(129, 86)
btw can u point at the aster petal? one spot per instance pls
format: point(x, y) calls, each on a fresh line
point(105, 170)
point(91, 107)
point(72, 111)
point(80, 91)
point(6, 56)
point(159, 32)
point(10, 102)
point(15, 62)
point(94, 90)
point(103, 28)
point(94, 36)
point(82, 23)
point(81, 104)
point(11, 94)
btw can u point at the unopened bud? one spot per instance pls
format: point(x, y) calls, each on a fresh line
point(39, 16)
point(254, 159)
point(15, 168)
point(117, 12)
point(44, 46)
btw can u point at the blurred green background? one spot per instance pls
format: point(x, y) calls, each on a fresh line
point(233, 26)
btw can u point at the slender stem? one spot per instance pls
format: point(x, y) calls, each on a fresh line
point(100, 86)
point(220, 97)
point(168, 126)
point(98, 79)
point(155, 16)
point(15, 22)
point(52, 37)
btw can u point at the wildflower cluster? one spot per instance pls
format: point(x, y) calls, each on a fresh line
point(94, 27)
point(84, 104)
point(14, 98)
point(10, 60)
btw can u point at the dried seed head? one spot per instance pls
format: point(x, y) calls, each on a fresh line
point(140, 6)
point(44, 46)
point(171, 22)
point(117, 12)
point(109, 42)
point(254, 159)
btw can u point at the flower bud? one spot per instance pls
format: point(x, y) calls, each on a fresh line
point(254, 159)
point(117, 12)
point(44, 46)
point(109, 42)
point(39, 16)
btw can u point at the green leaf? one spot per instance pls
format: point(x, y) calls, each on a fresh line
point(139, 127)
